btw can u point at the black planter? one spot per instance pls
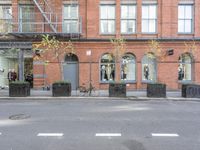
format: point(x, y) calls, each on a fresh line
point(61, 89)
point(191, 91)
point(19, 89)
point(156, 90)
point(117, 90)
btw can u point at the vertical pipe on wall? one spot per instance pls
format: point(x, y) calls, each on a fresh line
point(21, 64)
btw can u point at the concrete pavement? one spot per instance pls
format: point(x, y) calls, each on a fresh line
point(99, 125)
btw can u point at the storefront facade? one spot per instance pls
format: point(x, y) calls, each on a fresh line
point(91, 24)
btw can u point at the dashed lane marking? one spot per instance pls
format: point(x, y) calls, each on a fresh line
point(50, 134)
point(165, 135)
point(108, 134)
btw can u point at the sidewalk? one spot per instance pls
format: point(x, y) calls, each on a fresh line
point(131, 95)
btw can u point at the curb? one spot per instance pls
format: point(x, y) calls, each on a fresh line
point(100, 98)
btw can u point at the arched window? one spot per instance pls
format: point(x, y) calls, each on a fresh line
point(128, 68)
point(107, 68)
point(185, 67)
point(149, 68)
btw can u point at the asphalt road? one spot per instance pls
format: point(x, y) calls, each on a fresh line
point(99, 125)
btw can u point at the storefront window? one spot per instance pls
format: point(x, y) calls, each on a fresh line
point(128, 70)
point(185, 67)
point(149, 68)
point(107, 68)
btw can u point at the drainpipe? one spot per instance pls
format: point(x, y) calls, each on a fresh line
point(21, 64)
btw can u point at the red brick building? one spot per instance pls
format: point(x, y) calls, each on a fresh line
point(90, 24)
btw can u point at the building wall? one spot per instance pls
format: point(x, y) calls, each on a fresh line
point(91, 39)
point(167, 18)
point(167, 69)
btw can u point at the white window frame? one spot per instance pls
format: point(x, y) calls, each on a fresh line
point(112, 63)
point(107, 19)
point(183, 64)
point(128, 19)
point(186, 19)
point(150, 60)
point(70, 19)
point(149, 19)
point(121, 69)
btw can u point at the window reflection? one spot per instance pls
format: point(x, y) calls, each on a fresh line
point(128, 69)
point(185, 67)
point(107, 68)
point(149, 68)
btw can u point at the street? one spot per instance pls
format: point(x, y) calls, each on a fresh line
point(99, 124)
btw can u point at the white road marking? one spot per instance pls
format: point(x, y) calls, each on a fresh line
point(108, 134)
point(165, 134)
point(50, 134)
point(0, 133)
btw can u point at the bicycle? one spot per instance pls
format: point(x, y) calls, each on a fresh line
point(86, 89)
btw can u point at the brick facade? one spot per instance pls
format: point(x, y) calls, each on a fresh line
point(136, 44)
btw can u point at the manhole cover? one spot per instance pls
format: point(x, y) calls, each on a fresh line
point(134, 145)
point(19, 117)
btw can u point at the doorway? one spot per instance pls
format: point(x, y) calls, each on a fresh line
point(70, 70)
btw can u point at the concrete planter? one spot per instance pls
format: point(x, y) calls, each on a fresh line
point(19, 89)
point(117, 90)
point(156, 90)
point(190, 91)
point(61, 89)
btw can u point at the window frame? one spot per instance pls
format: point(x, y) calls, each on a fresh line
point(192, 20)
point(183, 63)
point(7, 27)
point(156, 19)
point(156, 69)
point(70, 19)
point(128, 19)
point(112, 63)
point(129, 81)
point(20, 19)
point(100, 31)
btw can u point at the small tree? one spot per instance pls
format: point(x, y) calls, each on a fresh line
point(190, 47)
point(119, 48)
point(155, 51)
point(155, 48)
point(52, 49)
point(119, 45)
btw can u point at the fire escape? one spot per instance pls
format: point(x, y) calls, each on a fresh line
point(51, 19)
point(47, 13)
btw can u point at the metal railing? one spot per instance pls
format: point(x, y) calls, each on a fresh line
point(35, 23)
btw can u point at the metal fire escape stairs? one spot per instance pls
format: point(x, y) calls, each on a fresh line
point(44, 14)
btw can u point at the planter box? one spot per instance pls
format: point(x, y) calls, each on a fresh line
point(117, 90)
point(19, 89)
point(191, 91)
point(156, 90)
point(61, 89)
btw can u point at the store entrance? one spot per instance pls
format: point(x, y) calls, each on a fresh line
point(28, 70)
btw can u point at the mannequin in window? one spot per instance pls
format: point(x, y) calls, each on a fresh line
point(108, 72)
point(180, 72)
point(146, 72)
point(125, 71)
point(103, 73)
point(113, 73)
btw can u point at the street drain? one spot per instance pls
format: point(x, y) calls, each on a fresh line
point(19, 117)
